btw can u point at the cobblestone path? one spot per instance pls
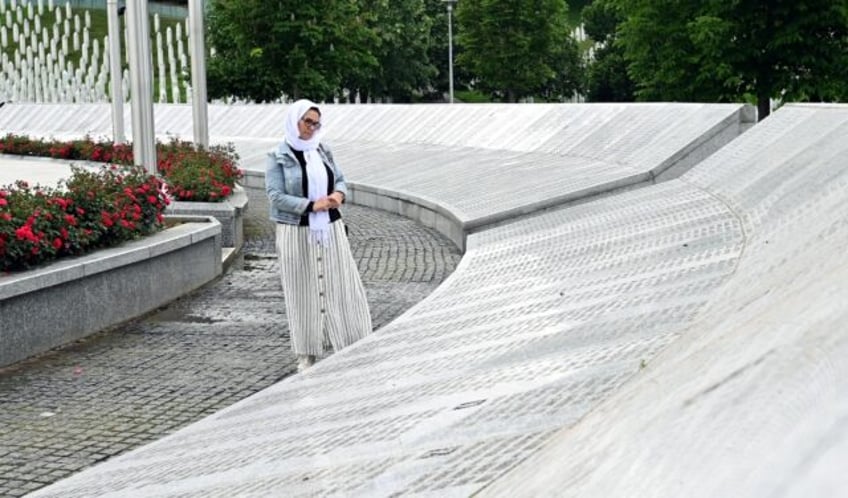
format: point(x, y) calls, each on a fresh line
point(74, 407)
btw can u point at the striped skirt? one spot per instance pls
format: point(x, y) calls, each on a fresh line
point(323, 292)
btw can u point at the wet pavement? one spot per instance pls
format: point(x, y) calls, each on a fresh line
point(117, 390)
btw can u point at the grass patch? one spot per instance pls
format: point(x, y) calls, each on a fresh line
point(471, 97)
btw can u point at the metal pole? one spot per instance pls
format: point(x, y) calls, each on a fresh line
point(141, 84)
point(450, 48)
point(198, 73)
point(116, 85)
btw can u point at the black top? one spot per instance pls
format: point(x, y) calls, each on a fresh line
point(331, 180)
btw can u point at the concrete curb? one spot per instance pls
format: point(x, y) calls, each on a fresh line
point(229, 212)
point(67, 300)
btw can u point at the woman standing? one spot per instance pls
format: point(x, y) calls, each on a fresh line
point(323, 292)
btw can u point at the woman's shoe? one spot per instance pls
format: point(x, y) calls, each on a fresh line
point(304, 361)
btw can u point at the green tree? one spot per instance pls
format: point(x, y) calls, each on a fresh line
point(401, 43)
point(607, 79)
point(515, 48)
point(719, 50)
point(265, 49)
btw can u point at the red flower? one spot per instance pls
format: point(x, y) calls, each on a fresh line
point(57, 243)
point(225, 190)
point(63, 203)
point(3, 202)
point(64, 232)
point(106, 219)
point(70, 220)
point(151, 199)
point(25, 233)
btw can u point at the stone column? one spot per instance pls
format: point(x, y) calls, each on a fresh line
point(141, 84)
point(198, 73)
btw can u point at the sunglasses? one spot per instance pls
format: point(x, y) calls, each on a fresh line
point(313, 125)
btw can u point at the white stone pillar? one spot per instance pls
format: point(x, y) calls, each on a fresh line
point(198, 73)
point(141, 76)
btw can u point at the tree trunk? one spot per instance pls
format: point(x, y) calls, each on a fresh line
point(763, 104)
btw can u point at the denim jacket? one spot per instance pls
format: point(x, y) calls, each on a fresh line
point(284, 183)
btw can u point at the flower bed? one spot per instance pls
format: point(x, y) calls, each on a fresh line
point(88, 211)
point(192, 173)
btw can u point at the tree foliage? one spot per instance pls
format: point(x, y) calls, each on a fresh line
point(395, 49)
point(400, 45)
point(264, 49)
point(517, 48)
point(719, 50)
point(607, 78)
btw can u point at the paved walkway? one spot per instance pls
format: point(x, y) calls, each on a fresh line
point(72, 408)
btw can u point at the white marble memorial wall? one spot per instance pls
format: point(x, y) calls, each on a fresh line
point(682, 339)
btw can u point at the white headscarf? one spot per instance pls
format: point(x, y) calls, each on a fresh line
point(319, 222)
point(294, 115)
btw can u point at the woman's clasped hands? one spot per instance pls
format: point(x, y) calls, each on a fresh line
point(332, 201)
